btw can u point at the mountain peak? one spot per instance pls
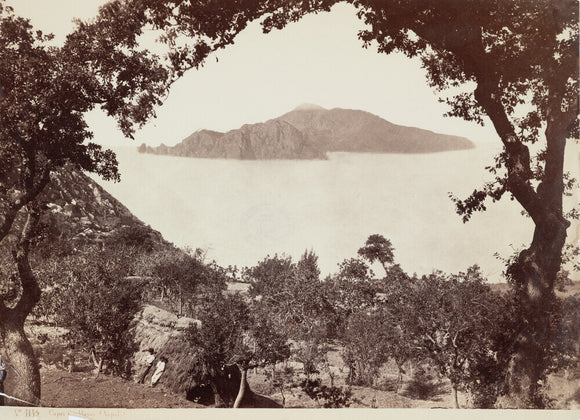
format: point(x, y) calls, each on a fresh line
point(309, 107)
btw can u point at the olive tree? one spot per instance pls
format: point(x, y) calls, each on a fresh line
point(453, 321)
point(231, 334)
point(97, 303)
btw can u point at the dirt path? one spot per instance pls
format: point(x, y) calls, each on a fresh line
point(79, 389)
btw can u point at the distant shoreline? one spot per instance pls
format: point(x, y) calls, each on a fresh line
point(309, 133)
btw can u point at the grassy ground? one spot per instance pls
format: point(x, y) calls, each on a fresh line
point(62, 388)
point(362, 397)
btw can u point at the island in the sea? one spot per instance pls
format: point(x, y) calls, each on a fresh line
point(309, 132)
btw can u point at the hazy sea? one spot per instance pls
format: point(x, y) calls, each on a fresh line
point(241, 211)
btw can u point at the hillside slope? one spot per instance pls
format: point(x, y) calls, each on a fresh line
point(77, 211)
point(346, 130)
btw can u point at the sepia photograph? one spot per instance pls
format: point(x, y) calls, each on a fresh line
point(273, 204)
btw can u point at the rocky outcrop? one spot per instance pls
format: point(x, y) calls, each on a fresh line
point(309, 132)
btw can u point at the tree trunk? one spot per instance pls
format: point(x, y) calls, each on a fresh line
point(534, 271)
point(93, 358)
point(23, 374)
point(455, 397)
point(99, 368)
point(534, 275)
point(399, 378)
point(218, 400)
point(243, 386)
point(180, 302)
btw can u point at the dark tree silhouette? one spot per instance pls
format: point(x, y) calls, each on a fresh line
point(378, 248)
point(44, 93)
point(230, 335)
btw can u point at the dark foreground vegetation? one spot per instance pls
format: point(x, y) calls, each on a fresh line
point(503, 54)
point(286, 331)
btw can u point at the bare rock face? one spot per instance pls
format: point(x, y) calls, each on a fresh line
point(309, 132)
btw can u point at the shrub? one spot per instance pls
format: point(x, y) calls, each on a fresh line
point(331, 396)
point(366, 339)
point(423, 385)
point(483, 395)
point(53, 354)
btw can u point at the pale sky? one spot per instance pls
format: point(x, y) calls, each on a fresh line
point(317, 60)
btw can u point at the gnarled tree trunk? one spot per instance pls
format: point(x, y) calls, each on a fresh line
point(534, 270)
point(534, 273)
point(218, 400)
point(23, 377)
point(23, 374)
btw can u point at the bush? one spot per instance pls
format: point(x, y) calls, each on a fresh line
point(311, 354)
point(484, 395)
point(366, 340)
point(422, 386)
point(53, 354)
point(331, 396)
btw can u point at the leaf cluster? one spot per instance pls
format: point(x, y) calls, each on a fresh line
point(331, 396)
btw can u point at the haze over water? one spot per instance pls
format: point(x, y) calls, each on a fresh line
point(241, 211)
